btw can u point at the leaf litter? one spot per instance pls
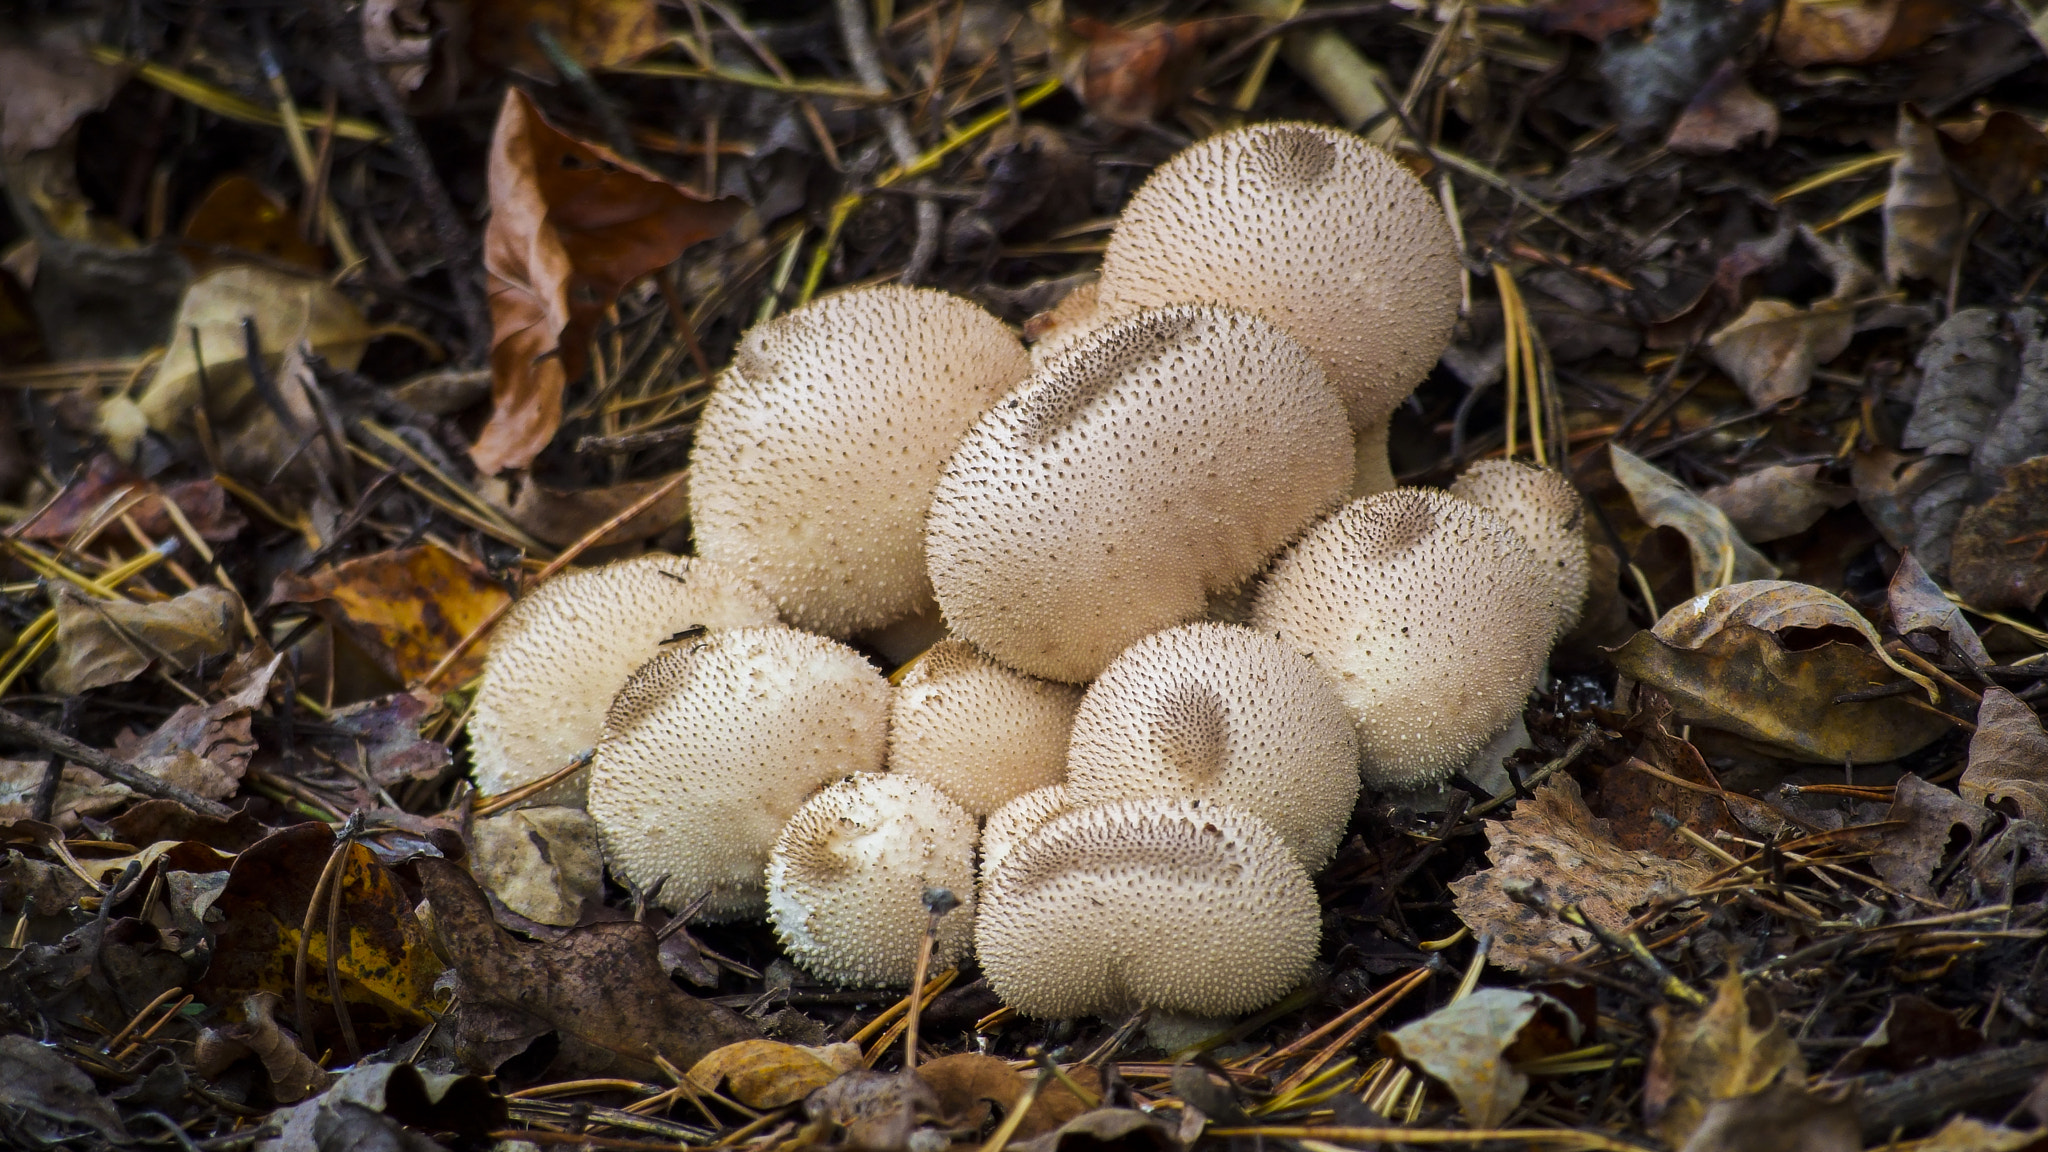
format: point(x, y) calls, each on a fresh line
point(327, 330)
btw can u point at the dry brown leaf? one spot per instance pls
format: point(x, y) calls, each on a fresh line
point(90, 507)
point(204, 748)
point(1554, 840)
point(558, 517)
point(1923, 211)
point(52, 80)
point(2008, 757)
point(1725, 115)
point(1964, 1134)
point(1999, 558)
point(1782, 1118)
point(1777, 501)
point(769, 1073)
point(239, 215)
point(293, 1075)
point(1719, 553)
point(1127, 76)
point(572, 225)
point(2002, 157)
point(594, 33)
point(1772, 349)
point(102, 642)
point(1734, 1048)
point(405, 609)
point(542, 863)
point(1917, 604)
point(968, 1084)
point(1596, 20)
point(1464, 1044)
point(1856, 31)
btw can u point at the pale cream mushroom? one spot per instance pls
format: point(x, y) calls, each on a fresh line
point(1176, 905)
point(711, 748)
point(1430, 616)
point(979, 732)
point(816, 455)
point(1163, 458)
point(847, 878)
point(1007, 826)
point(1318, 231)
point(1221, 713)
point(557, 659)
point(1545, 511)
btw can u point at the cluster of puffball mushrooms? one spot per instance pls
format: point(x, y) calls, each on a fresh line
point(1167, 607)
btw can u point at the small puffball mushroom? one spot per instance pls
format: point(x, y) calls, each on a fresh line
point(817, 453)
point(1221, 713)
point(847, 878)
point(712, 746)
point(1162, 458)
point(980, 732)
point(1009, 825)
point(1319, 232)
point(1429, 615)
point(1170, 904)
point(563, 652)
point(1545, 511)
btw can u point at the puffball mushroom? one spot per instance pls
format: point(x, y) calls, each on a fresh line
point(712, 746)
point(1314, 229)
point(817, 453)
point(1429, 615)
point(1545, 511)
point(847, 877)
point(1221, 713)
point(1009, 825)
point(1162, 458)
point(980, 732)
point(563, 652)
point(1175, 905)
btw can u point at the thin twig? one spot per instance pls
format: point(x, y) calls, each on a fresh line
point(51, 740)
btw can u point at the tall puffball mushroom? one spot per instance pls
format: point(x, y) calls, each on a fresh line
point(1170, 904)
point(1314, 229)
point(1545, 511)
point(979, 732)
point(817, 453)
point(563, 652)
point(1431, 618)
point(712, 746)
point(1162, 458)
point(847, 877)
point(1221, 713)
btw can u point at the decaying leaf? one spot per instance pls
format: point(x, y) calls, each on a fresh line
point(970, 1085)
point(293, 1074)
point(1734, 1048)
point(1912, 500)
point(1983, 392)
point(1772, 349)
point(572, 225)
point(52, 80)
point(238, 216)
point(102, 642)
point(594, 33)
point(406, 609)
point(1649, 81)
point(1966, 1134)
point(1554, 841)
point(41, 1087)
point(1917, 604)
point(1766, 660)
point(2008, 757)
point(874, 1111)
point(558, 517)
point(542, 863)
point(1127, 76)
point(2002, 156)
point(204, 748)
point(1999, 560)
point(91, 506)
point(1778, 500)
point(381, 738)
point(1596, 20)
point(1923, 211)
point(1928, 820)
point(769, 1073)
point(1726, 114)
point(395, 1094)
point(1719, 553)
point(1785, 1117)
point(1856, 31)
point(1464, 1044)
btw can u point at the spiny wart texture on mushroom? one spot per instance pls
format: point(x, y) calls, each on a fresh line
point(1221, 713)
point(1314, 229)
point(1431, 618)
point(712, 746)
point(1164, 457)
point(1544, 509)
point(847, 878)
point(1054, 330)
point(816, 456)
point(1009, 825)
point(1169, 904)
point(562, 653)
point(980, 732)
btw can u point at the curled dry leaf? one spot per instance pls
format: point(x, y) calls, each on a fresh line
point(1772, 349)
point(1127, 76)
point(769, 1073)
point(52, 80)
point(1464, 1044)
point(1923, 211)
point(293, 1075)
point(1999, 560)
point(238, 218)
point(1719, 553)
point(1856, 31)
point(1767, 658)
point(405, 609)
point(1927, 821)
point(1913, 501)
point(1777, 501)
point(1725, 115)
point(2000, 157)
point(102, 642)
point(1785, 1117)
point(1983, 392)
point(971, 1087)
point(1555, 842)
point(1650, 80)
point(2008, 757)
point(1734, 1048)
point(874, 1111)
point(204, 748)
point(542, 863)
point(362, 1110)
point(92, 505)
point(1917, 604)
point(594, 33)
point(572, 224)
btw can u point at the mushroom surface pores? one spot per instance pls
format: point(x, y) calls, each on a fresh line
point(1314, 229)
point(847, 878)
point(1545, 511)
point(563, 652)
point(1159, 903)
point(713, 745)
point(1009, 825)
point(1431, 618)
point(980, 732)
point(1221, 713)
point(817, 453)
point(1162, 458)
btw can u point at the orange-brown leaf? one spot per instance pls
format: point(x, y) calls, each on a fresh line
point(237, 214)
point(405, 609)
point(594, 33)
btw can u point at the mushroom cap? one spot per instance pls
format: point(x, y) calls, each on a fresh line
point(979, 732)
point(1055, 330)
point(1311, 227)
point(1162, 458)
point(712, 746)
point(562, 653)
point(847, 878)
point(1221, 713)
point(817, 453)
point(1544, 509)
point(1162, 903)
point(1009, 825)
point(1429, 615)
